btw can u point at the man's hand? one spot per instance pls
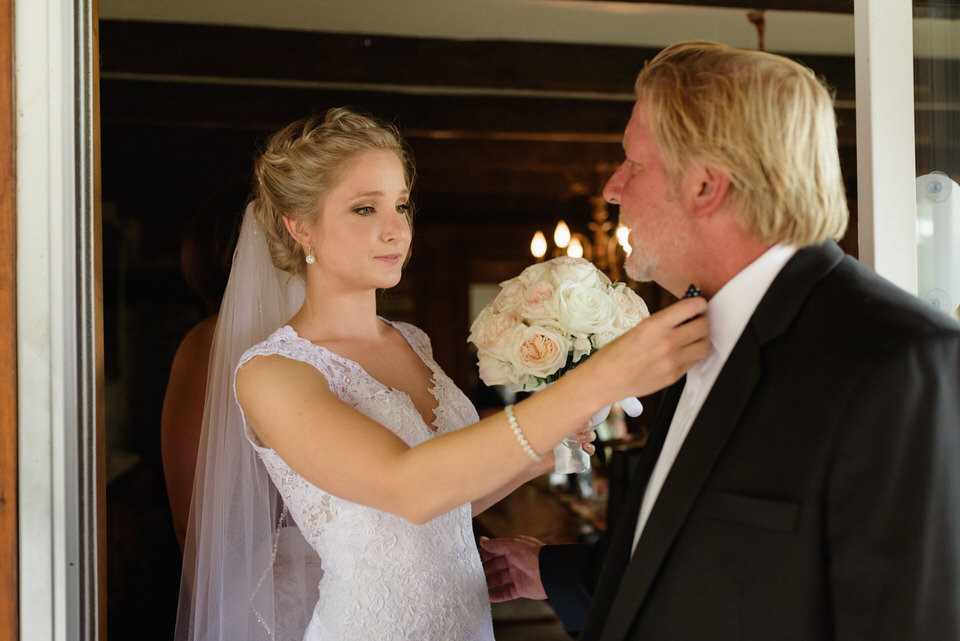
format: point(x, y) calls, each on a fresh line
point(512, 566)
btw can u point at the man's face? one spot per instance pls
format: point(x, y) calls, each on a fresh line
point(648, 205)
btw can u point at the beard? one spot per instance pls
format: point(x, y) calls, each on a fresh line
point(640, 271)
point(653, 256)
point(639, 265)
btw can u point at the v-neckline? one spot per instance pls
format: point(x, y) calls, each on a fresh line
point(432, 389)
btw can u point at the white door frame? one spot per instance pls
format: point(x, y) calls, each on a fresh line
point(886, 147)
point(57, 318)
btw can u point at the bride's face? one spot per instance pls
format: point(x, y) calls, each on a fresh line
point(362, 235)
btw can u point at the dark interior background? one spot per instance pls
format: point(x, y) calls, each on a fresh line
point(509, 137)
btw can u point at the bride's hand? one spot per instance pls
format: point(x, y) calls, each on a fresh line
point(585, 437)
point(655, 353)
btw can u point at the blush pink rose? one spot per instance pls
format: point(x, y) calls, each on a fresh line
point(495, 336)
point(538, 301)
point(540, 351)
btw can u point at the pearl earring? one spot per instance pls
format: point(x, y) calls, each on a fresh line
point(310, 259)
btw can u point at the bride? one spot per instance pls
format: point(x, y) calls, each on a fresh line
point(335, 501)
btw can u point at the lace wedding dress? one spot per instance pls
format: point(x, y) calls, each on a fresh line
point(383, 577)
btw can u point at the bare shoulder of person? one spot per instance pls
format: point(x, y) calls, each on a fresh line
point(272, 389)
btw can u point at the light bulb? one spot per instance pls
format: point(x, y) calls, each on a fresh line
point(538, 246)
point(623, 237)
point(575, 249)
point(561, 235)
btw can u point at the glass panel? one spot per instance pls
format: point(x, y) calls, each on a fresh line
point(937, 98)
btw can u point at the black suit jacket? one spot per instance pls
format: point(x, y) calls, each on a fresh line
point(817, 495)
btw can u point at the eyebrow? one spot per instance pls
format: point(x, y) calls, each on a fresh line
point(377, 193)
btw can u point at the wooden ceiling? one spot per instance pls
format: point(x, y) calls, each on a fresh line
point(502, 130)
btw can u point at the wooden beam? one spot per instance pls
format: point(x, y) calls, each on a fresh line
point(224, 53)
point(9, 522)
point(828, 6)
point(499, 129)
point(264, 108)
point(239, 52)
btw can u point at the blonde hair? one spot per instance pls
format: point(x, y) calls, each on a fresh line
point(302, 162)
point(763, 119)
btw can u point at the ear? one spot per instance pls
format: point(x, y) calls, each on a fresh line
point(297, 230)
point(708, 189)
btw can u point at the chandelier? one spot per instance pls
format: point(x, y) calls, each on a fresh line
point(607, 249)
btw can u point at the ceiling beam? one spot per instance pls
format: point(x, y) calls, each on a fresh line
point(500, 128)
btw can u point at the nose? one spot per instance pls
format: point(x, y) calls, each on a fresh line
point(397, 227)
point(611, 191)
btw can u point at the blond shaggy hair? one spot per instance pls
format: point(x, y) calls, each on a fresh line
point(302, 162)
point(764, 120)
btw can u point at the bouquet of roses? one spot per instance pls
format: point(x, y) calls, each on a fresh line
point(550, 318)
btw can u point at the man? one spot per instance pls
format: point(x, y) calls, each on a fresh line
point(803, 482)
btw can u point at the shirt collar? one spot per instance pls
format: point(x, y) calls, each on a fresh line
point(732, 306)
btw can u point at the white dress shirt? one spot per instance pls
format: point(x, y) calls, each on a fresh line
point(728, 312)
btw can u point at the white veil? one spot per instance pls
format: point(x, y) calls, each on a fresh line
point(247, 574)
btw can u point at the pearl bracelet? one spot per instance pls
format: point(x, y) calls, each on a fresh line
point(524, 443)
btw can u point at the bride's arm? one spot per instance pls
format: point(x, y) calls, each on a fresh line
point(292, 410)
point(585, 436)
point(531, 472)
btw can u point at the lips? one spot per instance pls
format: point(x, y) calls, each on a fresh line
point(389, 258)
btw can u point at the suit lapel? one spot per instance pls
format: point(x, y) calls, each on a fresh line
point(717, 420)
point(619, 552)
point(710, 431)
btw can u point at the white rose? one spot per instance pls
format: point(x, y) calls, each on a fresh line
point(605, 337)
point(494, 371)
point(631, 309)
point(538, 301)
point(582, 346)
point(576, 270)
point(539, 351)
point(509, 298)
point(584, 310)
point(534, 273)
point(484, 318)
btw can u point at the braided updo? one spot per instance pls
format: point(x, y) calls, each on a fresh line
point(302, 162)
